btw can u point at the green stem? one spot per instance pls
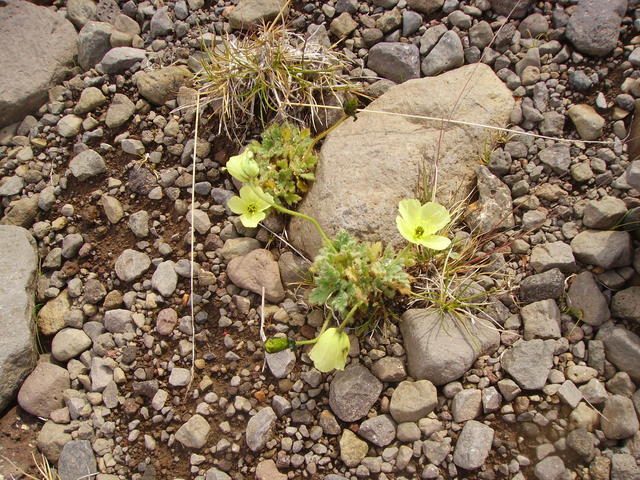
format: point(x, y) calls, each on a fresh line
point(347, 319)
point(307, 342)
point(310, 219)
point(324, 134)
point(326, 323)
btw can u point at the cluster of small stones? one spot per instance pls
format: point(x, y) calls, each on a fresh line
point(558, 398)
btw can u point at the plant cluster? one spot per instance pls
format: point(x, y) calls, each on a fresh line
point(286, 162)
point(273, 75)
point(348, 274)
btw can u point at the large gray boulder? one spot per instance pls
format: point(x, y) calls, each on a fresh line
point(594, 26)
point(37, 44)
point(368, 165)
point(18, 267)
point(440, 348)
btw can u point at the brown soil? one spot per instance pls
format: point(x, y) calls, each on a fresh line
point(18, 431)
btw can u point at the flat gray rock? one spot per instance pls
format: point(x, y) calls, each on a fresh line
point(412, 401)
point(473, 446)
point(353, 392)
point(193, 434)
point(606, 249)
point(87, 164)
point(585, 296)
point(77, 460)
point(442, 349)
point(541, 320)
point(447, 54)
point(620, 419)
point(18, 267)
point(529, 362)
point(379, 430)
point(622, 348)
point(29, 70)
point(358, 184)
point(131, 265)
point(259, 429)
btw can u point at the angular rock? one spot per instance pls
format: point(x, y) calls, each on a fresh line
point(160, 24)
point(396, 61)
point(604, 214)
point(29, 70)
point(51, 315)
point(541, 320)
point(352, 449)
point(553, 255)
point(625, 304)
point(494, 210)
point(131, 265)
point(281, 363)
point(120, 111)
point(256, 270)
point(594, 26)
point(466, 405)
point(389, 369)
point(94, 41)
point(193, 434)
point(606, 249)
point(446, 55)
point(542, 286)
point(90, 99)
point(162, 85)
point(587, 121)
point(259, 429)
point(358, 184)
point(52, 439)
point(585, 296)
point(412, 401)
point(81, 11)
point(77, 460)
point(619, 420)
point(473, 446)
point(120, 59)
point(41, 393)
point(18, 267)
point(237, 247)
point(87, 164)
point(165, 278)
point(622, 348)
point(529, 362)
point(380, 430)
point(442, 349)
point(353, 392)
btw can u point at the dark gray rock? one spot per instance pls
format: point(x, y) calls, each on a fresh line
point(551, 468)
point(619, 420)
point(380, 430)
point(120, 59)
point(506, 7)
point(446, 55)
point(259, 429)
point(353, 392)
point(494, 209)
point(603, 214)
point(626, 304)
point(529, 362)
point(594, 26)
point(87, 164)
point(77, 460)
point(396, 61)
point(549, 284)
point(541, 320)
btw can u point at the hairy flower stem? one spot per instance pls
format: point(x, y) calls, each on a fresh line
point(324, 134)
point(341, 327)
point(349, 316)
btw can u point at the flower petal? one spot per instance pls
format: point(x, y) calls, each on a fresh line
point(237, 205)
point(435, 217)
point(435, 242)
point(251, 220)
point(404, 227)
point(409, 209)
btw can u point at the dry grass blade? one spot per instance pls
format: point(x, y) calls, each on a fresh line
point(45, 471)
point(253, 80)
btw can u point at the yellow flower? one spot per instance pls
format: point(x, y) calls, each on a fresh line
point(251, 205)
point(418, 223)
point(243, 167)
point(331, 350)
